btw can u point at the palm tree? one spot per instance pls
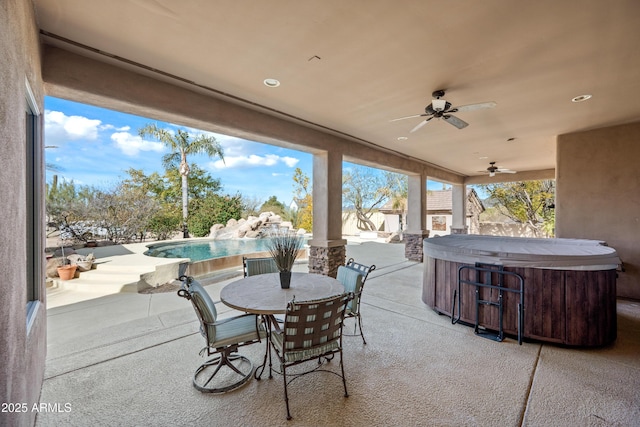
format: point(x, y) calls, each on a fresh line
point(181, 146)
point(398, 191)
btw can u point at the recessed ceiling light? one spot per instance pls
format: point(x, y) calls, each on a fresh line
point(581, 98)
point(271, 82)
point(482, 158)
point(402, 138)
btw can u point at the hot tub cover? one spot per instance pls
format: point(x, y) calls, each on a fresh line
point(562, 254)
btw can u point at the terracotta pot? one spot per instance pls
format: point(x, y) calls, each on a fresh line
point(67, 272)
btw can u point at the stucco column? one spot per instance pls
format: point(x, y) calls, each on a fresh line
point(459, 209)
point(416, 217)
point(327, 249)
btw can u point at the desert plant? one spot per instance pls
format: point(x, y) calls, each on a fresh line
point(284, 247)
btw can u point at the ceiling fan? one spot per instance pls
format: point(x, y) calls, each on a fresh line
point(493, 169)
point(442, 109)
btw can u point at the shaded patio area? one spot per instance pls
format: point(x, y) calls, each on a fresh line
point(417, 368)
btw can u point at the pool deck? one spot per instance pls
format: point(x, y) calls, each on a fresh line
point(118, 268)
point(127, 359)
point(125, 268)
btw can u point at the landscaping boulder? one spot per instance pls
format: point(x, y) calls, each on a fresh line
point(286, 224)
point(214, 230)
point(52, 267)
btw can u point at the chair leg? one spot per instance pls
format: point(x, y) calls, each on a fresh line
point(217, 362)
point(286, 394)
point(360, 325)
point(344, 379)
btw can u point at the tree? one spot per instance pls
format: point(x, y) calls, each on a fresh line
point(165, 221)
point(273, 205)
point(182, 145)
point(69, 209)
point(398, 192)
point(213, 209)
point(124, 213)
point(166, 191)
point(526, 202)
point(250, 206)
point(201, 185)
point(303, 217)
point(365, 190)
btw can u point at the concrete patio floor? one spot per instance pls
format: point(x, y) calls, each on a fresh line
point(127, 359)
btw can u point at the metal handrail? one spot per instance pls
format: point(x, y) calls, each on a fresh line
point(488, 270)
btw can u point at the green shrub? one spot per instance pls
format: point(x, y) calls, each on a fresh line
point(164, 224)
point(214, 209)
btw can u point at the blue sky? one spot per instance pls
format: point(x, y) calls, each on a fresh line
point(95, 146)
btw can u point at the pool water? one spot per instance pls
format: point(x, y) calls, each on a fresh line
point(207, 249)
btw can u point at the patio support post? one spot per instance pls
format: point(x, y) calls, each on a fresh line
point(416, 217)
point(459, 209)
point(327, 249)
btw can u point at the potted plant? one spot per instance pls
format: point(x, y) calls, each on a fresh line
point(284, 247)
point(66, 271)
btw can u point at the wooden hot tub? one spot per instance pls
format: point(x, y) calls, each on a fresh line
point(569, 285)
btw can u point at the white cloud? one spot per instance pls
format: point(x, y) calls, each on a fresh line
point(131, 145)
point(59, 127)
point(290, 161)
point(253, 160)
point(112, 127)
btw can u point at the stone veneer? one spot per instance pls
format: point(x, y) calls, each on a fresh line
point(326, 261)
point(413, 245)
point(463, 230)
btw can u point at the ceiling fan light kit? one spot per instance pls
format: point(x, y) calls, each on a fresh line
point(441, 109)
point(439, 104)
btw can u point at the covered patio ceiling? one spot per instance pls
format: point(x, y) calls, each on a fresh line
point(350, 67)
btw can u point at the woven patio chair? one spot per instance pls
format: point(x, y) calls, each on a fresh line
point(312, 330)
point(260, 265)
point(353, 276)
point(254, 266)
point(222, 338)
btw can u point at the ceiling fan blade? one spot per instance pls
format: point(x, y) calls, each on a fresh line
point(453, 120)
point(505, 171)
point(409, 117)
point(473, 107)
point(420, 124)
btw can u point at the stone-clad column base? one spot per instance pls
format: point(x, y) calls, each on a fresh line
point(413, 245)
point(459, 230)
point(323, 260)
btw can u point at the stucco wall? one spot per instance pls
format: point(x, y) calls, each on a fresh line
point(597, 197)
point(22, 351)
point(505, 229)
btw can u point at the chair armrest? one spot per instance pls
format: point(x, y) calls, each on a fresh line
point(226, 320)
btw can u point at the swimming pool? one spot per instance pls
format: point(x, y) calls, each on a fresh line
point(207, 249)
point(209, 256)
